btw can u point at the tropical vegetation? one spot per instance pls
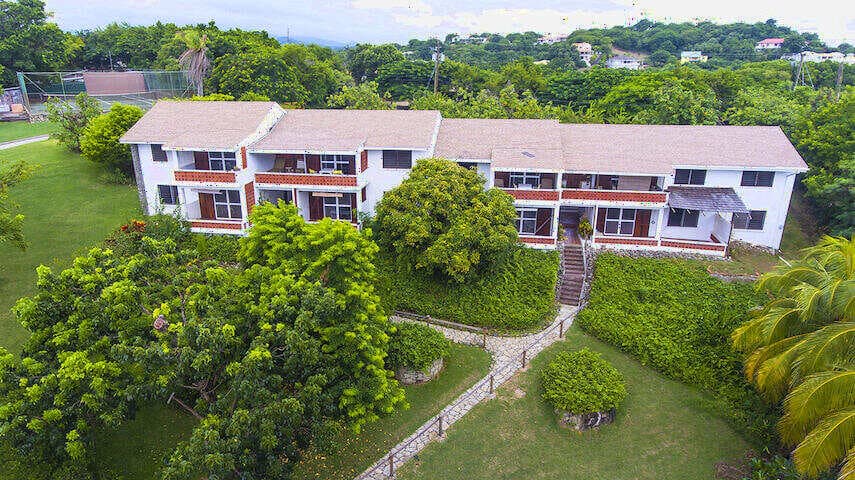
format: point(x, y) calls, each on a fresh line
point(99, 142)
point(801, 350)
point(582, 382)
point(416, 346)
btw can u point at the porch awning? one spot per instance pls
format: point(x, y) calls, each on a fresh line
point(707, 199)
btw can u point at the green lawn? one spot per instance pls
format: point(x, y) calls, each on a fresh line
point(355, 453)
point(66, 209)
point(15, 130)
point(661, 432)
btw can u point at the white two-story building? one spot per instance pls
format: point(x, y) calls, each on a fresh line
point(648, 187)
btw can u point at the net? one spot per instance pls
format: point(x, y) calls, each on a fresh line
point(139, 87)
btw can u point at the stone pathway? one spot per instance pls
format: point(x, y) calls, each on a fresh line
point(23, 141)
point(507, 353)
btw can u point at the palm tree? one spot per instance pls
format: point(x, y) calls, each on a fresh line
point(194, 60)
point(801, 348)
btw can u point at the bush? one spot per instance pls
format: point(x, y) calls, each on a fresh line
point(223, 248)
point(582, 382)
point(416, 346)
point(100, 140)
point(517, 293)
point(127, 239)
point(72, 118)
point(672, 315)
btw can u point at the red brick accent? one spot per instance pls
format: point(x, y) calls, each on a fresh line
point(204, 176)
point(626, 241)
point(693, 246)
point(533, 194)
point(306, 179)
point(243, 156)
point(249, 190)
point(538, 240)
point(613, 196)
point(212, 224)
point(363, 161)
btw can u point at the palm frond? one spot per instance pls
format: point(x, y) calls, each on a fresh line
point(827, 348)
point(817, 396)
point(773, 376)
point(758, 357)
point(847, 471)
point(827, 444)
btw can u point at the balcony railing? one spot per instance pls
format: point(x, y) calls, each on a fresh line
point(532, 194)
point(613, 195)
point(693, 244)
point(205, 176)
point(318, 179)
point(629, 241)
point(537, 240)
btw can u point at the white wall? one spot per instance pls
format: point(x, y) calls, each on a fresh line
point(379, 180)
point(157, 173)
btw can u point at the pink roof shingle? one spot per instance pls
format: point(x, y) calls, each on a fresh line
point(476, 138)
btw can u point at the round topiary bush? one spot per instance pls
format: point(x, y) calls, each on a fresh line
point(581, 383)
point(414, 349)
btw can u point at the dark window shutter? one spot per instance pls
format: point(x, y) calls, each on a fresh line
point(749, 178)
point(765, 179)
point(157, 153)
point(681, 177)
point(601, 219)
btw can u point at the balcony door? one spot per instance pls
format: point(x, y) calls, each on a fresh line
point(206, 206)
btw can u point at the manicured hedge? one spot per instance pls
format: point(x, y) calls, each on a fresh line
point(416, 346)
point(517, 294)
point(582, 382)
point(673, 316)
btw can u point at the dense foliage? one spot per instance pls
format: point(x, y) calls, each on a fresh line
point(416, 346)
point(582, 382)
point(71, 118)
point(268, 354)
point(516, 294)
point(11, 221)
point(674, 317)
point(99, 142)
point(800, 344)
point(442, 220)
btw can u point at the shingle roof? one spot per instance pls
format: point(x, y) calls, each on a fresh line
point(346, 130)
point(707, 199)
point(658, 149)
point(476, 139)
point(203, 125)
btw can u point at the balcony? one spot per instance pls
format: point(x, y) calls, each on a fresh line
point(528, 185)
point(625, 196)
point(590, 189)
point(532, 194)
point(205, 176)
point(323, 179)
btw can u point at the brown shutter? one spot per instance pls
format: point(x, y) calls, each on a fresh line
point(313, 162)
point(201, 160)
point(505, 178)
point(544, 221)
point(249, 190)
point(642, 223)
point(206, 206)
point(363, 160)
point(243, 156)
point(601, 219)
point(316, 208)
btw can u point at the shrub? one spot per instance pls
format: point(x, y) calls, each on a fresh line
point(127, 239)
point(582, 382)
point(416, 346)
point(72, 118)
point(672, 315)
point(100, 140)
point(584, 228)
point(223, 248)
point(517, 293)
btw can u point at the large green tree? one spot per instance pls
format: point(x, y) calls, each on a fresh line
point(800, 349)
point(71, 118)
point(440, 219)
point(11, 221)
point(100, 140)
point(364, 60)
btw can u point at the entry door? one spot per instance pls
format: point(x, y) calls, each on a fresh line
point(206, 206)
point(642, 223)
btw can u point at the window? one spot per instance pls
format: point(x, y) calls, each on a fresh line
point(273, 196)
point(518, 179)
point(620, 221)
point(757, 179)
point(227, 204)
point(749, 221)
point(526, 221)
point(338, 208)
point(222, 160)
point(397, 159)
point(337, 162)
point(469, 165)
point(157, 153)
point(690, 177)
point(681, 217)
point(168, 194)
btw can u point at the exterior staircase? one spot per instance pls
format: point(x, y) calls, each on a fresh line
point(572, 276)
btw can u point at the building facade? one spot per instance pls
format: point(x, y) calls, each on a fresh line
point(769, 44)
point(649, 187)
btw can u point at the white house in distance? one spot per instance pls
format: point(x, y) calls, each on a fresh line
point(817, 57)
point(769, 44)
point(643, 187)
point(692, 56)
point(550, 38)
point(624, 61)
point(586, 51)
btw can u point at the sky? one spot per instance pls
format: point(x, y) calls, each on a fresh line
point(352, 21)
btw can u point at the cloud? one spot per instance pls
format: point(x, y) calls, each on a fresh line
point(507, 20)
point(415, 6)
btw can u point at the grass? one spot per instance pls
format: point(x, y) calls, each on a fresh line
point(138, 448)
point(66, 209)
point(354, 453)
point(14, 130)
point(661, 431)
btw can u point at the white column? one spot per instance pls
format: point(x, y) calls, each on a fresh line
point(659, 221)
point(555, 222)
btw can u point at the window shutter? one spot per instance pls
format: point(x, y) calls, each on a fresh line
point(243, 156)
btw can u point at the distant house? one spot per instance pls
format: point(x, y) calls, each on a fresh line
point(624, 61)
point(585, 51)
point(818, 57)
point(692, 56)
point(551, 38)
point(769, 43)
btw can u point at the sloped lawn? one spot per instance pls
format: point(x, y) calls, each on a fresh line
point(661, 431)
point(16, 130)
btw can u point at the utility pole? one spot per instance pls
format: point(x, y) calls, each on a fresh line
point(799, 71)
point(436, 68)
point(839, 81)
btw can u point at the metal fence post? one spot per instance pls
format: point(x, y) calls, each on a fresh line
point(391, 464)
point(491, 384)
point(523, 359)
point(561, 328)
point(440, 425)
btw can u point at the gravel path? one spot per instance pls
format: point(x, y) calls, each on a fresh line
point(23, 141)
point(507, 355)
